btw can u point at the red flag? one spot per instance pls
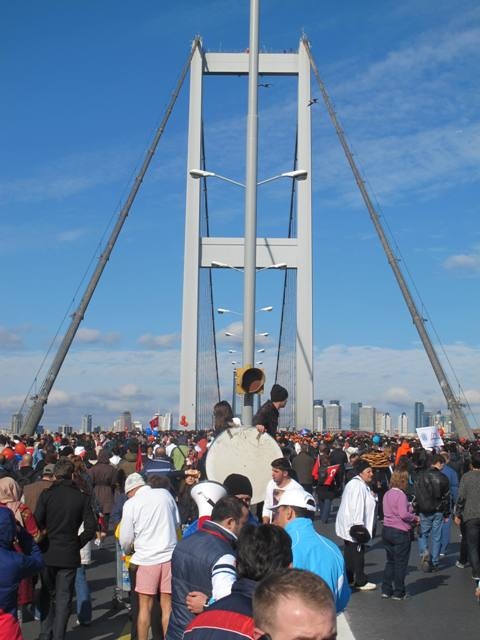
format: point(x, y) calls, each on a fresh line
point(331, 473)
point(154, 422)
point(183, 421)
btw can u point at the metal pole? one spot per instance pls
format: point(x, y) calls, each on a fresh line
point(234, 393)
point(250, 247)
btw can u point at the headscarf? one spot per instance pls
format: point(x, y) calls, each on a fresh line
point(10, 494)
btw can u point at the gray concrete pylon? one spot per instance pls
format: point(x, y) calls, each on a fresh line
point(295, 252)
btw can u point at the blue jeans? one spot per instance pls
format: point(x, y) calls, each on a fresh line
point(446, 528)
point(82, 594)
point(397, 547)
point(431, 524)
point(325, 506)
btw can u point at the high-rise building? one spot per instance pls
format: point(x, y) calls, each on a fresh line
point(319, 417)
point(386, 423)
point(126, 421)
point(17, 421)
point(355, 415)
point(402, 424)
point(367, 418)
point(427, 419)
point(419, 410)
point(333, 416)
point(86, 423)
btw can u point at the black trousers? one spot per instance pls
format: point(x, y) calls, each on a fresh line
point(397, 547)
point(55, 601)
point(156, 619)
point(354, 555)
point(472, 535)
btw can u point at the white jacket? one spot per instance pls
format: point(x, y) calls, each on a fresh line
point(358, 506)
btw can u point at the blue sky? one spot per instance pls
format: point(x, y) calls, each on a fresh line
point(85, 84)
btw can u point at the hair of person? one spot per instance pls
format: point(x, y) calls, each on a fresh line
point(63, 469)
point(262, 550)
point(475, 461)
point(103, 457)
point(399, 479)
point(78, 465)
point(222, 415)
point(288, 583)
point(438, 459)
point(157, 481)
point(228, 507)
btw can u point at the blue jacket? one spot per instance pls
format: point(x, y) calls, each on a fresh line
point(14, 565)
point(230, 618)
point(321, 556)
point(452, 476)
point(193, 561)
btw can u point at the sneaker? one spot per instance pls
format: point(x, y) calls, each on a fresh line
point(404, 597)
point(368, 586)
point(442, 555)
point(385, 596)
point(460, 565)
point(435, 567)
point(425, 562)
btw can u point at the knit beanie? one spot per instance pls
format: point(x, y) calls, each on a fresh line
point(236, 484)
point(361, 465)
point(278, 393)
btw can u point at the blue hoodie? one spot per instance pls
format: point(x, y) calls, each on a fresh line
point(321, 556)
point(15, 565)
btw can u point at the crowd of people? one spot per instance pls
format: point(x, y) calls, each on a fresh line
point(194, 558)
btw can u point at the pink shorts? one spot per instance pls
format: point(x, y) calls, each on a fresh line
point(154, 578)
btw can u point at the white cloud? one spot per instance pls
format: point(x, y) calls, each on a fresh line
point(165, 341)
point(95, 336)
point(10, 339)
point(463, 262)
point(71, 235)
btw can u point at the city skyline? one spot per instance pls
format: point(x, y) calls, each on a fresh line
point(79, 123)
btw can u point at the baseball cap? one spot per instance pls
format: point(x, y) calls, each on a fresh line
point(48, 470)
point(296, 498)
point(133, 481)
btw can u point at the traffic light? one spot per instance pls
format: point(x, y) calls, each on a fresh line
point(250, 380)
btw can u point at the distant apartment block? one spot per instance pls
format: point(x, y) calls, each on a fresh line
point(333, 415)
point(402, 424)
point(318, 417)
point(17, 421)
point(86, 423)
point(367, 418)
point(355, 415)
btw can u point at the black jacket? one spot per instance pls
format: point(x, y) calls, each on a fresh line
point(61, 509)
point(432, 492)
point(268, 416)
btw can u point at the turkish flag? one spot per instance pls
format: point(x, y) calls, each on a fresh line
point(183, 421)
point(331, 473)
point(154, 422)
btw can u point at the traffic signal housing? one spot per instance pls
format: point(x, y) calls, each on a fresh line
point(250, 380)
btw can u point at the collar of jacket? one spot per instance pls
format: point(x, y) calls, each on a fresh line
point(208, 526)
point(245, 587)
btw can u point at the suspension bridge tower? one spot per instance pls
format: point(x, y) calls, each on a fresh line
point(201, 250)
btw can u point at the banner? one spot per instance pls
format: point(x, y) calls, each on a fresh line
point(429, 437)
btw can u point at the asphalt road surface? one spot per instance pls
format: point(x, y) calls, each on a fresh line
point(442, 604)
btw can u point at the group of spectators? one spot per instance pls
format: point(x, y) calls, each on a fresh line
point(194, 558)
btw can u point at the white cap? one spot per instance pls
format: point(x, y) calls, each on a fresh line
point(296, 498)
point(206, 495)
point(79, 451)
point(133, 481)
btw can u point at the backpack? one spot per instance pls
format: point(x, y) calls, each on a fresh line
point(424, 499)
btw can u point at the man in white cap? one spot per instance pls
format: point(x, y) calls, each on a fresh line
point(150, 523)
point(295, 512)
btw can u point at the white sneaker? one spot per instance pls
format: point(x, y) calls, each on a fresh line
point(368, 586)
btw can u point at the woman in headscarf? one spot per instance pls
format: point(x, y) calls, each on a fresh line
point(10, 495)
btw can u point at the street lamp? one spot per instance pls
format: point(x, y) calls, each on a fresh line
point(224, 265)
point(298, 174)
point(221, 311)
